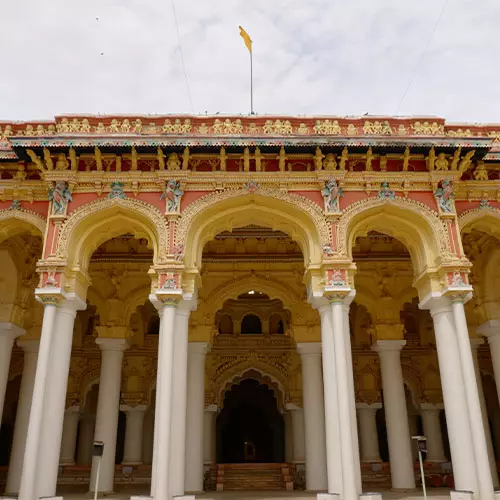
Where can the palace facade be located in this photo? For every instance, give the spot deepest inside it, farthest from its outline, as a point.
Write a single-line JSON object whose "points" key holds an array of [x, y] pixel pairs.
{"points": [[248, 302]]}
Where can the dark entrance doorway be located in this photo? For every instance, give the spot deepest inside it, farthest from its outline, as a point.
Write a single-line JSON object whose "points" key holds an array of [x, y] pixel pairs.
{"points": [[250, 427]]}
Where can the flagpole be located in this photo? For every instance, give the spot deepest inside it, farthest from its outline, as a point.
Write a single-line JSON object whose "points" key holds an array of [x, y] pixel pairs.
{"points": [[251, 83]]}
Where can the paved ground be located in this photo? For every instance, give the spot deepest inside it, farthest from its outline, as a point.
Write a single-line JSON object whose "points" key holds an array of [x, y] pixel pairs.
{"points": [[435, 494]]}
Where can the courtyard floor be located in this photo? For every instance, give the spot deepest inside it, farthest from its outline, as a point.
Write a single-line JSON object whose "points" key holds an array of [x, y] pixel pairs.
{"points": [[435, 494]]}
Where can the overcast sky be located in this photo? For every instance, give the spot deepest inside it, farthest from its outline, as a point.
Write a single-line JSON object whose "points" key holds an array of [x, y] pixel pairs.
{"points": [[337, 57]]}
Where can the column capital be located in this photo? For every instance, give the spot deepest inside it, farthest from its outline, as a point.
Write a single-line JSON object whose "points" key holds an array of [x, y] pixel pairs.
{"points": [[198, 348], [133, 409], [73, 303], [308, 348], [49, 295], [293, 407], [490, 329], [212, 409], [431, 407], [435, 303], [11, 330], [29, 345], [72, 409], [388, 345], [112, 344], [367, 406], [166, 298]]}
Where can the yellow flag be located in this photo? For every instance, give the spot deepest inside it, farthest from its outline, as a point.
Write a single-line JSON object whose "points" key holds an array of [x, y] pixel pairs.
{"points": [[246, 39]]}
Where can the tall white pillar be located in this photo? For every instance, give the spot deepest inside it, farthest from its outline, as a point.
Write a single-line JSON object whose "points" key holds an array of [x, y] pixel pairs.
{"points": [[455, 403], [166, 302], [134, 432], [70, 430], [396, 414], [209, 420], [85, 440], [432, 431], [178, 459], [298, 442], [483, 470], [368, 432], [352, 395], [55, 397], [314, 415], [30, 348], [491, 329], [334, 459], [195, 406], [8, 333], [475, 343], [108, 408], [147, 441], [29, 489]]}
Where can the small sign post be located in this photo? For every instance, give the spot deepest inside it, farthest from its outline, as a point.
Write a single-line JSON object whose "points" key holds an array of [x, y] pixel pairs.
{"points": [[422, 448], [97, 451]]}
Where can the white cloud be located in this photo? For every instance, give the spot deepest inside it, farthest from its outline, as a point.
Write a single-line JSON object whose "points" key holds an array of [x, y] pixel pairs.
{"points": [[310, 57]]}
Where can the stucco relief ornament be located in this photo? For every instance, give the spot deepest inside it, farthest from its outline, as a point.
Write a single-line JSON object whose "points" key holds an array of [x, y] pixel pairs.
{"points": [[385, 192], [331, 194], [173, 194], [457, 279], [484, 204], [117, 191], [170, 282], [337, 278], [251, 186], [444, 196], [60, 196], [15, 205]]}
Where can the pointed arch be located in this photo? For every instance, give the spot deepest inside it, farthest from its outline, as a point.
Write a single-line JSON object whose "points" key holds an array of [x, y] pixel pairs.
{"points": [[94, 223], [295, 215], [13, 222], [486, 220], [411, 222]]}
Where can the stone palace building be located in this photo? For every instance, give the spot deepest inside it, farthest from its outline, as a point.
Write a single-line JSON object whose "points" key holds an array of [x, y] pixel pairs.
{"points": [[248, 302]]}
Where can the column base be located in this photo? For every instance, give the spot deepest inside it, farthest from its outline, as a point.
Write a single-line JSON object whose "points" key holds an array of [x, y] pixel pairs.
{"points": [[461, 495], [370, 496], [327, 496]]}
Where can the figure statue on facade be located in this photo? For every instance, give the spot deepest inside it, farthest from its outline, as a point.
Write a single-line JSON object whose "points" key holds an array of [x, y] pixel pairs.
{"points": [[160, 155], [173, 194], [223, 159], [329, 163], [369, 159], [343, 158], [444, 196], [406, 159], [441, 162], [481, 174], [282, 159], [173, 162], [60, 196], [431, 159], [331, 194], [15, 205], [117, 191], [385, 192], [318, 159]]}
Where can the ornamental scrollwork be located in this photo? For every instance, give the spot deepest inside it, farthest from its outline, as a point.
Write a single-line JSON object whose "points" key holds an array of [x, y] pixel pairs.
{"points": [[140, 207], [438, 227], [201, 204]]}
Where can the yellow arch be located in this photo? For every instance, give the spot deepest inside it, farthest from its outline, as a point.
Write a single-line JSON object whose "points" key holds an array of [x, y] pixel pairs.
{"points": [[91, 225], [486, 220], [300, 218], [231, 289], [13, 222], [414, 224]]}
